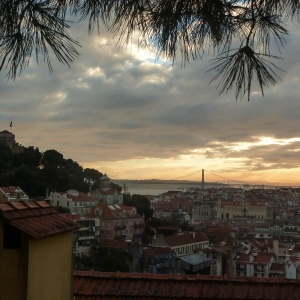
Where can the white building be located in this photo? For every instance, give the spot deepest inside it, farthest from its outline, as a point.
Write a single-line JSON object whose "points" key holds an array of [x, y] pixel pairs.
{"points": [[106, 194], [253, 264], [77, 202]]}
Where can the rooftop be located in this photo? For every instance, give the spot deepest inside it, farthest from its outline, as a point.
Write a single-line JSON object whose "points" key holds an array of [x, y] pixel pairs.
{"points": [[106, 286], [194, 259], [37, 219], [183, 239]]}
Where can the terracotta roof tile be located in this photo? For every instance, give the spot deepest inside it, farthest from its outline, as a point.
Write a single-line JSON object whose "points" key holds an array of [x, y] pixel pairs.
{"points": [[81, 197], [37, 219], [113, 211], [112, 243], [263, 257], [183, 239], [109, 286], [277, 267], [243, 257], [12, 190]]}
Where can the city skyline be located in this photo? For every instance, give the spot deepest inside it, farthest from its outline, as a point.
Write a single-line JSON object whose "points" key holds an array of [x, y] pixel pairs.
{"points": [[124, 113]]}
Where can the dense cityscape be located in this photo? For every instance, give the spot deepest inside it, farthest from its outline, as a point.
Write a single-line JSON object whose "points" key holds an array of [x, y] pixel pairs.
{"points": [[219, 232]]}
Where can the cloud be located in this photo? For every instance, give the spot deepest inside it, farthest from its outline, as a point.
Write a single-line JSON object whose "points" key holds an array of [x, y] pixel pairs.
{"points": [[117, 108]]}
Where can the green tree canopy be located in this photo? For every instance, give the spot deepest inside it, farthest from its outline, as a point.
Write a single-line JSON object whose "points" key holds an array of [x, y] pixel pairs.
{"points": [[53, 160], [92, 174], [239, 32], [141, 203], [114, 260]]}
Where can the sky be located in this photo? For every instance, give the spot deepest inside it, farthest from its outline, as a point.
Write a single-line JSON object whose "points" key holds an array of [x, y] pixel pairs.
{"points": [[125, 113]]}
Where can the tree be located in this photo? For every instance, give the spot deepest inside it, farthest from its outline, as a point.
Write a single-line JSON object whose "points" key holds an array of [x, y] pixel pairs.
{"points": [[141, 203], [239, 32], [6, 161], [53, 160], [115, 259], [92, 174]]}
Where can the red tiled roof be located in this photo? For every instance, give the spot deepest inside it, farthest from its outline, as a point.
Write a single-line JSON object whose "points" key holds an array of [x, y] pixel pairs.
{"points": [[72, 217], [263, 257], [220, 231], [277, 267], [243, 257], [113, 211], [116, 286], [12, 190], [155, 251], [81, 197], [37, 219], [112, 243], [184, 239]]}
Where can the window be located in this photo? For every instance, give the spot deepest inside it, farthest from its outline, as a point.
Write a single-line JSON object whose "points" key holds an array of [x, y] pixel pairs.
{"points": [[11, 237], [57, 203], [67, 203]]}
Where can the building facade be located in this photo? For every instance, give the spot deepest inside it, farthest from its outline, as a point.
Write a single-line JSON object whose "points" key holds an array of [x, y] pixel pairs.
{"points": [[77, 202], [35, 252], [106, 194], [118, 221], [227, 210]]}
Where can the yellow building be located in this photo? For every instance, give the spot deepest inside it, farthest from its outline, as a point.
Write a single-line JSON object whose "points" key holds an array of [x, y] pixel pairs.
{"points": [[226, 210], [35, 252]]}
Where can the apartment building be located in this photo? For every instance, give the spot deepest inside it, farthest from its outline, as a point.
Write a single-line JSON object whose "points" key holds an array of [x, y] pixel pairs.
{"points": [[202, 212], [118, 221], [77, 202], [253, 264], [228, 210]]}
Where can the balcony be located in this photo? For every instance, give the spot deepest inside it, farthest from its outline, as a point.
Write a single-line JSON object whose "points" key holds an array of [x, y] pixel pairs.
{"points": [[138, 226], [120, 227]]}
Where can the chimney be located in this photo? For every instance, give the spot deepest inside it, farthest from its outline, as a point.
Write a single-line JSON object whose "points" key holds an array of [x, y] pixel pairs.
{"points": [[194, 235]]}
